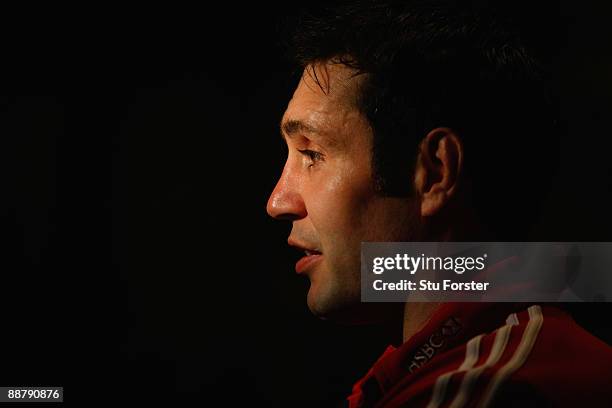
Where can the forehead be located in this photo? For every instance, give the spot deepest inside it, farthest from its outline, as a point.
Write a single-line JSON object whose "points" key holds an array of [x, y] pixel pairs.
{"points": [[324, 98], [335, 83]]}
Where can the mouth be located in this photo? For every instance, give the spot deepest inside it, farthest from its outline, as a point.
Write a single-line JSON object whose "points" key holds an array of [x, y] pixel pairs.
{"points": [[308, 261], [309, 252], [311, 257]]}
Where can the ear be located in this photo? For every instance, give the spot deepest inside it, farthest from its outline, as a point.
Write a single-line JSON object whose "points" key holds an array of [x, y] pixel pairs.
{"points": [[438, 168]]}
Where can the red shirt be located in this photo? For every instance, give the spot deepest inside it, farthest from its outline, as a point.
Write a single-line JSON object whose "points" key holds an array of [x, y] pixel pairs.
{"points": [[492, 354]]}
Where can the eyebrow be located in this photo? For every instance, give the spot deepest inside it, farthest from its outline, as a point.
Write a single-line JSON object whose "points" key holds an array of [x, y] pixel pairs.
{"points": [[291, 127]]}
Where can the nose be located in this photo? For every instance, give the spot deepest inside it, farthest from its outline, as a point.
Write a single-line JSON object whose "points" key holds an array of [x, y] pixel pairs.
{"points": [[286, 202]]}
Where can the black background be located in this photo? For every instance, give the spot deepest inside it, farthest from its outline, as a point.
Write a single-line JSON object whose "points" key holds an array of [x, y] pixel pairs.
{"points": [[138, 151]]}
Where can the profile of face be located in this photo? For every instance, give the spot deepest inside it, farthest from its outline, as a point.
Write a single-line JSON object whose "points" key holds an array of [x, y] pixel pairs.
{"points": [[327, 191]]}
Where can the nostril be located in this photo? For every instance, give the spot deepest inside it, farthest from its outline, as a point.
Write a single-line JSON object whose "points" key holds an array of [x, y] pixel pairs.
{"points": [[287, 217]]}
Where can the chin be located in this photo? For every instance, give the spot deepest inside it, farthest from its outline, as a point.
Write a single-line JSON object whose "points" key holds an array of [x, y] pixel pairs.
{"points": [[324, 302], [346, 308], [337, 306]]}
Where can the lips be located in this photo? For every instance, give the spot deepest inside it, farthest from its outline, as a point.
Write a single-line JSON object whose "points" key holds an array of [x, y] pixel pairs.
{"points": [[308, 262], [311, 257]]}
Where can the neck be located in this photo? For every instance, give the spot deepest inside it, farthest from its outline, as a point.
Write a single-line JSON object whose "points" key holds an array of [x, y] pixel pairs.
{"points": [[416, 316], [446, 228], [453, 225]]}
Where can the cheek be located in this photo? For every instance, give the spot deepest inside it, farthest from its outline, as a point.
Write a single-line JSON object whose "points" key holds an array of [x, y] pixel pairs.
{"points": [[393, 219], [339, 205]]}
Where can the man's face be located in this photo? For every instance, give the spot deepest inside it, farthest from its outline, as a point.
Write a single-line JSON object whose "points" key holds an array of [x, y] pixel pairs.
{"points": [[327, 190]]}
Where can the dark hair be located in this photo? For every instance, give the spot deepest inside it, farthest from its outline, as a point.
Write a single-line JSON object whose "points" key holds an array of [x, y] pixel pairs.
{"points": [[441, 63]]}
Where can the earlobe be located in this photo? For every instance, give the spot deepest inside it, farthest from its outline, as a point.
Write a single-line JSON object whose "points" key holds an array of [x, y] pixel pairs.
{"points": [[438, 169]]}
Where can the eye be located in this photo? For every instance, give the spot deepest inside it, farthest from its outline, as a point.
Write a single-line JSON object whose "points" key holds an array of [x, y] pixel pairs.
{"points": [[312, 155]]}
